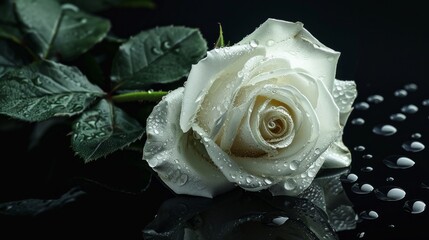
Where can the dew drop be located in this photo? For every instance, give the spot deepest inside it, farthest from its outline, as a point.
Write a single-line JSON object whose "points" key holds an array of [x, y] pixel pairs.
{"points": [[362, 106], [156, 51], [358, 121], [375, 99], [270, 43], [410, 109], [400, 93], [182, 179], [368, 215], [414, 206], [290, 184], [362, 189], [389, 193], [398, 117], [367, 156], [413, 146], [398, 162], [359, 148], [384, 130], [294, 165], [254, 43], [166, 45], [268, 181], [425, 102]]}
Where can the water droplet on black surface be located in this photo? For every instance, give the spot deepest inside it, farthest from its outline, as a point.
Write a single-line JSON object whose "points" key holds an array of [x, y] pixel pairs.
{"points": [[359, 148], [400, 93], [411, 87], [274, 219], [375, 98], [367, 156], [361, 106], [368, 215], [416, 135], [410, 109], [414, 206], [398, 162], [384, 130], [367, 169], [358, 121], [350, 178], [398, 117], [413, 146], [362, 188], [389, 193]]}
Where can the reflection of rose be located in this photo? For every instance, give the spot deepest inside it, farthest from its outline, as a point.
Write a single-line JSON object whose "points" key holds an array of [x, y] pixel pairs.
{"points": [[264, 113], [241, 215]]}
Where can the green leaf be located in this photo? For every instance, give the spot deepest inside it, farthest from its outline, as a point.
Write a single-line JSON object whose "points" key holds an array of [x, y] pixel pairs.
{"points": [[12, 55], [100, 5], [220, 42], [60, 31], [159, 55], [45, 89], [102, 130]]}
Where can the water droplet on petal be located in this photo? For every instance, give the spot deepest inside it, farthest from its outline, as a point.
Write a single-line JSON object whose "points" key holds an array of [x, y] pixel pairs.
{"points": [[414, 206], [270, 43], [254, 43], [389, 193], [290, 184], [294, 165], [71, 7], [156, 51]]}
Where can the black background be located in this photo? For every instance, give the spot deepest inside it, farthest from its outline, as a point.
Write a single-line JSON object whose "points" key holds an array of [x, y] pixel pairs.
{"points": [[383, 47]]}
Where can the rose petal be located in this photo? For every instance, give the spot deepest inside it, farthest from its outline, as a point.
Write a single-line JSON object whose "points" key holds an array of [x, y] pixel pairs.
{"points": [[213, 73], [297, 45], [344, 93], [179, 159], [337, 155]]}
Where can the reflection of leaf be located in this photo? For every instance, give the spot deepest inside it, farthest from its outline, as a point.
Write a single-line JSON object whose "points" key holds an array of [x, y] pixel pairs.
{"points": [[103, 130], [45, 89], [34, 207], [160, 55], [60, 30]]}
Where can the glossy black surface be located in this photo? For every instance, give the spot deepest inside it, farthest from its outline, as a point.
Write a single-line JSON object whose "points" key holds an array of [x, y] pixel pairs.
{"points": [[383, 48]]}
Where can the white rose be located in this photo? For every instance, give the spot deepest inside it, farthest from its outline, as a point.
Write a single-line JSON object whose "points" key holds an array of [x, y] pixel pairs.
{"points": [[265, 113]]}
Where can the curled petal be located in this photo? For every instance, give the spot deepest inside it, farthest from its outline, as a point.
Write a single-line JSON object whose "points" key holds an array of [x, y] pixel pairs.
{"points": [[337, 155], [179, 159], [209, 78], [295, 43]]}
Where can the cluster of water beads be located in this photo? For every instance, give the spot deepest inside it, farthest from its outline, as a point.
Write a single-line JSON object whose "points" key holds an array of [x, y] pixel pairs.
{"points": [[395, 161]]}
